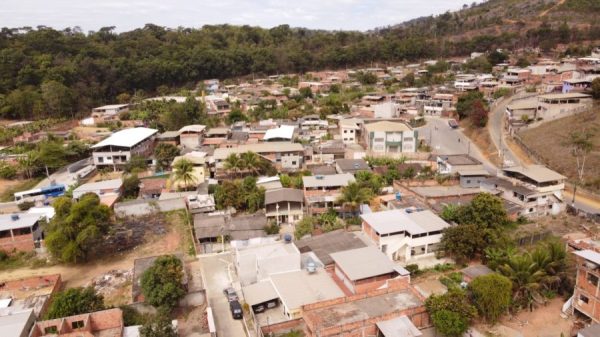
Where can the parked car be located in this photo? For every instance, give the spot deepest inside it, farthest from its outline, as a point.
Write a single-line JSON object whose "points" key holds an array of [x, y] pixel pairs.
{"points": [[453, 123], [236, 309], [231, 294]]}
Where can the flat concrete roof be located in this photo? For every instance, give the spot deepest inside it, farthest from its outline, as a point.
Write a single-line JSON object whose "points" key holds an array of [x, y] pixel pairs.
{"points": [[298, 288], [364, 309], [333, 180], [398, 327], [386, 126], [14, 325]]}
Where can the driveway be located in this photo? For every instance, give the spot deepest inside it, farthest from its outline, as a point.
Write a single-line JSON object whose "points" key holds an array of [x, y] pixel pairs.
{"points": [[216, 273], [446, 140]]}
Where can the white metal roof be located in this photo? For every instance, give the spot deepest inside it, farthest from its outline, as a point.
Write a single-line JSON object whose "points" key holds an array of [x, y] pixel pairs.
{"points": [[98, 185], [260, 292], [24, 220], [332, 180], [399, 327], [16, 324], [589, 255], [539, 173], [282, 132], [127, 137], [396, 220], [298, 288]]}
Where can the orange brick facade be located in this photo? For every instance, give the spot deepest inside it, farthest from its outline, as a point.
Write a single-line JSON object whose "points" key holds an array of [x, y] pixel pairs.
{"points": [[108, 322], [586, 298], [20, 243]]}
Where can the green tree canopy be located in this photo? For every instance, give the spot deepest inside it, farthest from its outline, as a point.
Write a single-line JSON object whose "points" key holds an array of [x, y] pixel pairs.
{"points": [[77, 227], [164, 153], [491, 295], [74, 301], [162, 282]]}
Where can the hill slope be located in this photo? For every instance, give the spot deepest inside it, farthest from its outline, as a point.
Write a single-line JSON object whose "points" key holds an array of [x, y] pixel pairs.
{"points": [[44, 72]]}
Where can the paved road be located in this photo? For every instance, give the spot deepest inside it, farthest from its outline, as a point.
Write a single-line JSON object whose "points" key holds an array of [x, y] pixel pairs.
{"points": [[446, 140], [496, 129], [216, 278]]}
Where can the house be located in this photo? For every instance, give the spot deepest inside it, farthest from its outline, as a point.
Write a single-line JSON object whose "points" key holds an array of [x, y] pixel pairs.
{"points": [[257, 263], [269, 183], [451, 164], [284, 205], [319, 248], [363, 269], [405, 235], [107, 190], [200, 169], [351, 166], [31, 293], [17, 324], [248, 226], [105, 323], [586, 296], [553, 106], [472, 178], [385, 138], [284, 155], [20, 232], [168, 137], [535, 188], [350, 130], [200, 203], [109, 110], [281, 134], [302, 287], [152, 188], [322, 192], [360, 315], [212, 228], [190, 136], [116, 150], [522, 110]]}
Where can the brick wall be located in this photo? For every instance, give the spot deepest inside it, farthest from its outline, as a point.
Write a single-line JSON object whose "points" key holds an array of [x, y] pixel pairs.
{"points": [[281, 327], [22, 243]]}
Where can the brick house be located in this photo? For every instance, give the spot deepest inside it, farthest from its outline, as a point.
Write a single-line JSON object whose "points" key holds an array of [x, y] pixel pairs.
{"points": [[20, 232], [106, 323], [586, 296], [363, 269]]}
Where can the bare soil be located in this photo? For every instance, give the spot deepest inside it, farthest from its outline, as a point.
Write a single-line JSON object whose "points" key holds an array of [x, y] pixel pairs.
{"points": [[547, 141], [545, 321], [481, 138]]}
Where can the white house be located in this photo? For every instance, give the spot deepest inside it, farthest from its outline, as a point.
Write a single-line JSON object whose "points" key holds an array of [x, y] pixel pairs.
{"points": [[390, 137], [350, 130], [118, 148], [404, 235]]}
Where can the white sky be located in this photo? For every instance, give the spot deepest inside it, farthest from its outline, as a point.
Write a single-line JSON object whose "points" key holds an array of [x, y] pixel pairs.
{"points": [[131, 14]]}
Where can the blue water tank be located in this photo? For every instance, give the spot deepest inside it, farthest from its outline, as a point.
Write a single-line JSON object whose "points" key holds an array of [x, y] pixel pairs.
{"points": [[287, 238], [398, 196]]}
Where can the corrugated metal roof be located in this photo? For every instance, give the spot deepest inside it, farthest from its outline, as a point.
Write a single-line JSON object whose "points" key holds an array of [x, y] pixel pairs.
{"points": [[127, 137]]}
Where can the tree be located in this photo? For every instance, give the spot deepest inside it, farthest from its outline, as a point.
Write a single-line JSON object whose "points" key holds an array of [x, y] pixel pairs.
{"points": [[369, 180], [162, 282], [233, 164], [486, 211], [450, 323], [463, 242], [353, 195], [77, 227], [160, 326], [57, 97], [251, 162], [164, 153], [596, 88], [465, 103], [581, 143], [526, 277], [184, 172], [479, 114], [136, 164], [305, 227], [74, 301], [491, 295], [131, 186]]}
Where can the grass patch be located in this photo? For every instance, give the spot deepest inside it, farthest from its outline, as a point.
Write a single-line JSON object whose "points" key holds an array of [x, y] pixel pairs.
{"points": [[16, 260], [182, 222], [8, 194]]}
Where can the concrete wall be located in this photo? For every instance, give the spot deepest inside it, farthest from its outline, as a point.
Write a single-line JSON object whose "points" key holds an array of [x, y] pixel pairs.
{"points": [[142, 207]]}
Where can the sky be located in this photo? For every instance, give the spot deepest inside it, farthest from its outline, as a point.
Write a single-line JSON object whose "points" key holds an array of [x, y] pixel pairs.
{"points": [[130, 14]]}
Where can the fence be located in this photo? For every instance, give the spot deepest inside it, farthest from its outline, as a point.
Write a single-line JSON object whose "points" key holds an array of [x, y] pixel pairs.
{"points": [[532, 238]]}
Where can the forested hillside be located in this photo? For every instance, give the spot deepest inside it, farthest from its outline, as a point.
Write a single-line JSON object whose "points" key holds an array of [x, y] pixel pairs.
{"points": [[45, 72]]}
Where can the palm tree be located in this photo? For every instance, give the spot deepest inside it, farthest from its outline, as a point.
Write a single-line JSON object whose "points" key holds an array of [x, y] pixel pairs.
{"points": [[233, 163], [526, 276], [251, 162], [551, 257], [354, 195], [184, 172]]}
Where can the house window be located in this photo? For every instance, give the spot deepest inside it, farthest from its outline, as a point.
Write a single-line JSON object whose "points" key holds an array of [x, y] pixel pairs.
{"points": [[293, 163], [592, 279], [101, 159], [468, 181], [51, 330], [584, 299], [77, 324], [531, 210], [345, 131]]}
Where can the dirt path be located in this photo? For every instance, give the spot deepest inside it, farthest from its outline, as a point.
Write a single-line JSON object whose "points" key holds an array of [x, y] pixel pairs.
{"points": [[544, 321], [559, 3]]}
